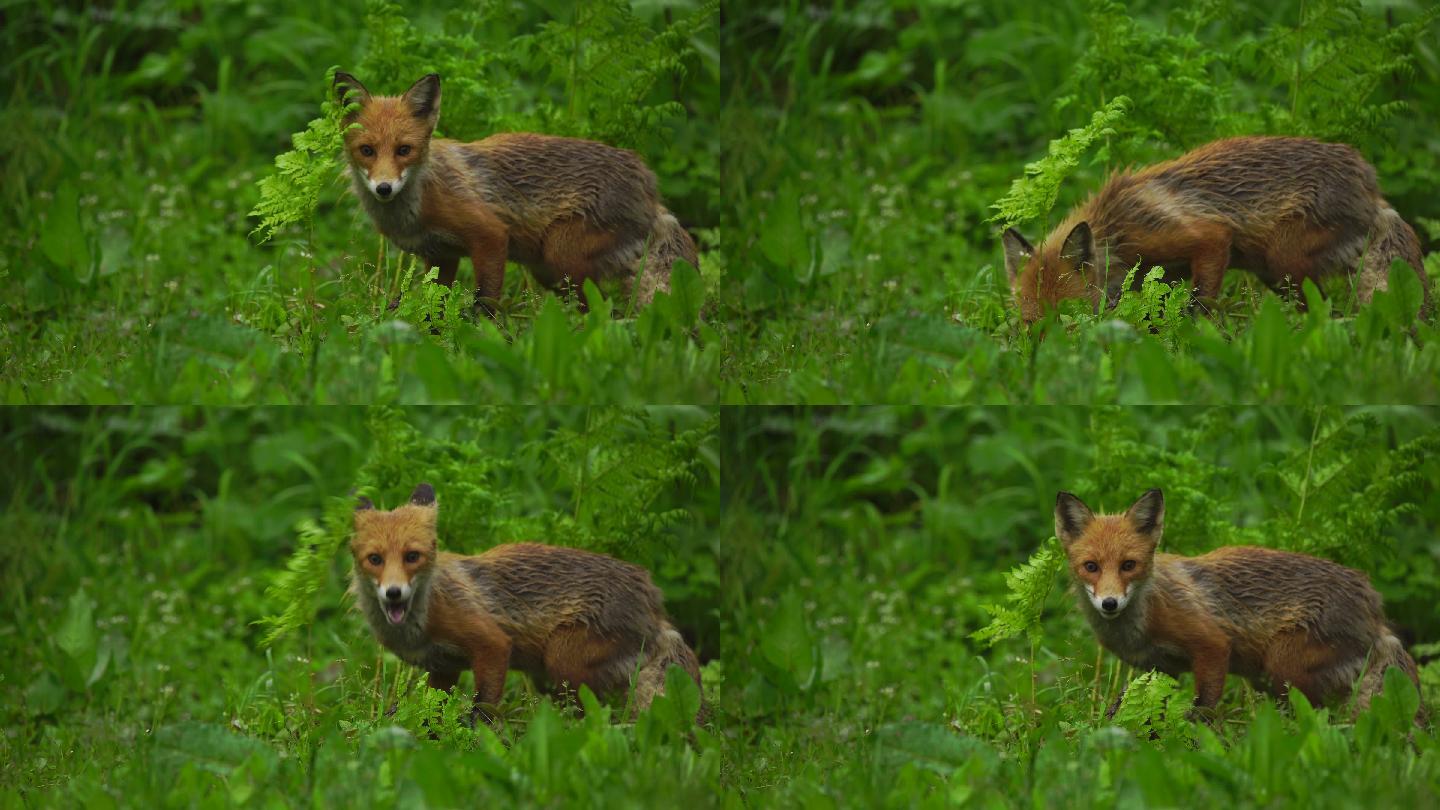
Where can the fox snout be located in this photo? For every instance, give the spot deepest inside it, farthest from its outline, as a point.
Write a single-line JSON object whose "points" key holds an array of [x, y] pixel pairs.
{"points": [[394, 599], [386, 188], [1109, 605]]}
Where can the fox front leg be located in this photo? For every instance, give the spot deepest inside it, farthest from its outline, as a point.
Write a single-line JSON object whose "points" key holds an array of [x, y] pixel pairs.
{"points": [[1208, 261], [1211, 664], [1115, 707], [444, 681], [490, 666], [488, 256]]}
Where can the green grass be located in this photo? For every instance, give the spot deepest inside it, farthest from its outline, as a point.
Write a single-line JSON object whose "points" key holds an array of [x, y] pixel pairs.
{"points": [[148, 543], [134, 142], [870, 144], [870, 544]]}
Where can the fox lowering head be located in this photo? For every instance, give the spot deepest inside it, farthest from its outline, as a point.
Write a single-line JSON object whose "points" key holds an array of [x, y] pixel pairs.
{"points": [[390, 145], [1040, 279], [1110, 555], [395, 550]]}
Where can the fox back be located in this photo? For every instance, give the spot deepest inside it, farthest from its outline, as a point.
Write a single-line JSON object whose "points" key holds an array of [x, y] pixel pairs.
{"points": [[1285, 209], [531, 589]]}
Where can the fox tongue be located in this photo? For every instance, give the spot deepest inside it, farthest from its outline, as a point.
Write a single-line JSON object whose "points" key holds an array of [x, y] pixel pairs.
{"points": [[396, 613]]}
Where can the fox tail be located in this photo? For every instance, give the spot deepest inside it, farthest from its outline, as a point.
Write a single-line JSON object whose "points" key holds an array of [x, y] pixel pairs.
{"points": [[668, 243], [667, 648], [1387, 652], [1393, 238]]}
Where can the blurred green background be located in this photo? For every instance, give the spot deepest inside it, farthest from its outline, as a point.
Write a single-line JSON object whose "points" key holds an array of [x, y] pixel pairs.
{"points": [[867, 545], [147, 544]]}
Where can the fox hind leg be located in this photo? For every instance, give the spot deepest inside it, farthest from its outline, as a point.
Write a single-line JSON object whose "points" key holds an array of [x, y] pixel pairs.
{"points": [[1295, 659], [573, 250], [576, 655]]}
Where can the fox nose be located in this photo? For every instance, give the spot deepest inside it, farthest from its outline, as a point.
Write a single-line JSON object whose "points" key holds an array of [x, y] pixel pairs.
{"points": [[1107, 604], [393, 593], [383, 189]]}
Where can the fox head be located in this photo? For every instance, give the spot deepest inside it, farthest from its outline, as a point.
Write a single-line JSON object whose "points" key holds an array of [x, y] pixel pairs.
{"points": [[1041, 279], [1110, 555], [395, 550], [392, 138]]}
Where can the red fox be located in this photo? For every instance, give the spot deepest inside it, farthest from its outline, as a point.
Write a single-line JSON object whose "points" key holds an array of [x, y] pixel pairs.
{"points": [[1277, 618], [568, 209], [562, 615], [1286, 209]]}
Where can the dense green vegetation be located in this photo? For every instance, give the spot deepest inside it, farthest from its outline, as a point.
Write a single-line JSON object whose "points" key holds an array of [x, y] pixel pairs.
{"points": [[146, 546], [137, 140], [872, 157], [869, 546]]}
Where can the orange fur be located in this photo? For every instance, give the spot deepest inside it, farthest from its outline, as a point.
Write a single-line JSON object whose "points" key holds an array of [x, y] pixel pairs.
{"points": [[1285, 209], [1278, 618], [565, 616], [568, 209]]}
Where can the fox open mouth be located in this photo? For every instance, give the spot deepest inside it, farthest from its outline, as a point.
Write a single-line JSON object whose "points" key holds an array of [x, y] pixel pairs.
{"points": [[395, 612]]}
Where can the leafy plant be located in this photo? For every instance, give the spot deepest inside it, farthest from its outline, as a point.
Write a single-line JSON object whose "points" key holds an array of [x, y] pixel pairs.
{"points": [[1028, 586], [1033, 195], [1156, 707]]}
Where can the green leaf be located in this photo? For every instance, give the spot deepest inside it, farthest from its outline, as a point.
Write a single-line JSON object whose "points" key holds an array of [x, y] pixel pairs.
{"points": [[786, 642], [77, 638], [933, 746], [1029, 585], [44, 695], [210, 747], [1033, 195], [783, 236], [62, 240], [675, 710]]}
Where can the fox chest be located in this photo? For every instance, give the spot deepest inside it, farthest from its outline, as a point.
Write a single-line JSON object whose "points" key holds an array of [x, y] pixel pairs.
{"points": [[399, 221], [1133, 644], [413, 645], [432, 245]]}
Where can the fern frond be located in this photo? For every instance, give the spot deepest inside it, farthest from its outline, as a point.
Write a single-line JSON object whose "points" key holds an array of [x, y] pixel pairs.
{"points": [[1029, 585]]}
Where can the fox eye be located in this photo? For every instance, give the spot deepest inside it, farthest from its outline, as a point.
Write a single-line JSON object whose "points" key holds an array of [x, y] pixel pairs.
{"points": [[367, 150], [403, 150], [1092, 566], [1128, 565], [412, 556], [375, 559]]}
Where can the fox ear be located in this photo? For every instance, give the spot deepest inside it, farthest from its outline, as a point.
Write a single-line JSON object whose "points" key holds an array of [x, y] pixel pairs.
{"points": [[1017, 252], [363, 504], [1079, 247], [424, 495], [1071, 517], [348, 89], [423, 98], [1148, 514]]}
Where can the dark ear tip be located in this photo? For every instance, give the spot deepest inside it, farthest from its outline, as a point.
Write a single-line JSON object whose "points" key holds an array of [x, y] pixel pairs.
{"points": [[363, 503], [424, 495]]}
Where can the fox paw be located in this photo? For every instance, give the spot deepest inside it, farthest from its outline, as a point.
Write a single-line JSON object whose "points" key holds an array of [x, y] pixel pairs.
{"points": [[479, 714]]}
